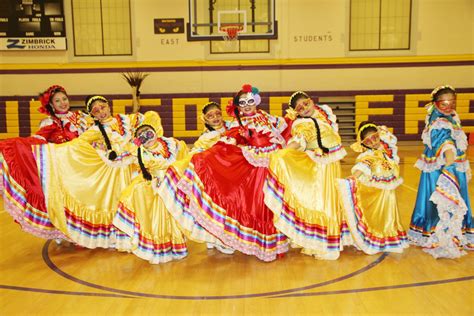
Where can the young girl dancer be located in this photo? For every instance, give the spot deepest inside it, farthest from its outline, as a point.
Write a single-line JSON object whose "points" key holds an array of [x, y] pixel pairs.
{"points": [[149, 230], [82, 180], [224, 184], [175, 199], [22, 193], [442, 219], [300, 188], [369, 198]]}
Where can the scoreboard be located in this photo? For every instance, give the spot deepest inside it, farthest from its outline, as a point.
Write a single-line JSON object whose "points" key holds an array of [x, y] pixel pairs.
{"points": [[32, 25]]}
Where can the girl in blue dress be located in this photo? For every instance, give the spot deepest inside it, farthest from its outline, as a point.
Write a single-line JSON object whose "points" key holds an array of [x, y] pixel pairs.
{"points": [[442, 219]]}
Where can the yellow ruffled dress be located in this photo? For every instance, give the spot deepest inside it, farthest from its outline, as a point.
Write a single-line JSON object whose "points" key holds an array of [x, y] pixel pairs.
{"points": [[370, 202], [82, 186], [301, 187], [150, 232]]}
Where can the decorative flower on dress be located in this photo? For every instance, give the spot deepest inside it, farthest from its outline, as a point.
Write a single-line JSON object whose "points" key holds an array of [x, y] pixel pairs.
{"points": [[45, 97]]}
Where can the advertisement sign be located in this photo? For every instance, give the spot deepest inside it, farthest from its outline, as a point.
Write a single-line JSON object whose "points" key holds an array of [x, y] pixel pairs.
{"points": [[32, 25]]}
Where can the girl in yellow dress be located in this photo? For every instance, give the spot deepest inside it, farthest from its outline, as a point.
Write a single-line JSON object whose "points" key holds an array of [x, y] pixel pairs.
{"points": [[82, 180], [150, 232], [369, 198], [301, 188], [171, 195]]}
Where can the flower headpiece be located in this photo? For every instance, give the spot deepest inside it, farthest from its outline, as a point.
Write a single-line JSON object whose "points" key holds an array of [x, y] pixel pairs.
{"points": [[430, 106], [357, 146], [92, 100], [45, 97], [246, 89], [253, 91]]}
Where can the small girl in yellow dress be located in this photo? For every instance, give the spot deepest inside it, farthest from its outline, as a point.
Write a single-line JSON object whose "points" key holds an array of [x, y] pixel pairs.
{"points": [[149, 231], [369, 198]]}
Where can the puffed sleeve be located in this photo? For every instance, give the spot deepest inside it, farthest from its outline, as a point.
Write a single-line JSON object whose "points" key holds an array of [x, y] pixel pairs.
{"points": [[303, 132], [206, 141]]}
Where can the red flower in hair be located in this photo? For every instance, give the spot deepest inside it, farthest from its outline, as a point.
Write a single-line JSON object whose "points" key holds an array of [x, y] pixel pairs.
{"points": [[247, 88], [45, 97], [230, 108]]}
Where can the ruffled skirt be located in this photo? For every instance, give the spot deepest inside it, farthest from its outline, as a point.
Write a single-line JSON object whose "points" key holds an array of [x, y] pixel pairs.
{"points": [[373, 217], [442, 194], [82, 192], [151, 233], [303, 196], [21, 188], [226, 197]]}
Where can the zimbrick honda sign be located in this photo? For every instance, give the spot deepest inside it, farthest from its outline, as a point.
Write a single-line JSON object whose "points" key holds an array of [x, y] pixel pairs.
{"points": [[32, 25]]}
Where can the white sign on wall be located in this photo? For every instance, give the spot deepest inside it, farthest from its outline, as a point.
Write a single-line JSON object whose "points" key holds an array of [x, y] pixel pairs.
{"points": [[33, 43]]}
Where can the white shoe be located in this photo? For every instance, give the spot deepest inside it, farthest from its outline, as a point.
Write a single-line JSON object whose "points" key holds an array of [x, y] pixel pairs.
{"points": [[209, 245], [224, 249]]}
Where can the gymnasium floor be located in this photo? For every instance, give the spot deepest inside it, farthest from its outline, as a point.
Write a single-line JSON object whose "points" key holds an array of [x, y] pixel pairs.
{"points": [[39, 277]]}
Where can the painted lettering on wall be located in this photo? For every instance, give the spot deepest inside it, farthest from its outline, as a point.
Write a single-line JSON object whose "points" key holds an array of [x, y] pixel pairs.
{"points": [[316, 38], [169, 41], [403, 113]]}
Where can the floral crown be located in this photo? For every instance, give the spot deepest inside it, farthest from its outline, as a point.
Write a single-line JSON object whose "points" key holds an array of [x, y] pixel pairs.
{"points": [[45, 97], [246, 88], [92, 100]]}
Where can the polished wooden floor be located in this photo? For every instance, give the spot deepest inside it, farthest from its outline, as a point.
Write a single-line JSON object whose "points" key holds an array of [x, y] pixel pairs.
{"points": [[38, 277]]}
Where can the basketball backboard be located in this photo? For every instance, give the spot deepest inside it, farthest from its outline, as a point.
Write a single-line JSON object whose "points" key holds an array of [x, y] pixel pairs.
{"points": [[209, 19]]}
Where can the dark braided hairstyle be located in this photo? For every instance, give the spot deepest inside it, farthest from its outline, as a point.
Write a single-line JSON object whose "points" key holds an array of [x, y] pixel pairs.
{"points": [[236, 108], [293, 100], [209, 106], [89, 102], [146, 175], [363, 131]]}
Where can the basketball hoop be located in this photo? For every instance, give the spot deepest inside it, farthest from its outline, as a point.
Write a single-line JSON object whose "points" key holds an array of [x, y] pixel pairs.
{"points": [[231, 31]]}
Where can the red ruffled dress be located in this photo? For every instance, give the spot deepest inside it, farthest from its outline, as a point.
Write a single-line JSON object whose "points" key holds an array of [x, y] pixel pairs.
{"points": [[224, 185], [21, 188]]}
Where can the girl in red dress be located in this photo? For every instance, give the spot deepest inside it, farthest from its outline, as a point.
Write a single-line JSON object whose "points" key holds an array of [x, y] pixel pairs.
{"points": [[21, 188], [224, 184]]}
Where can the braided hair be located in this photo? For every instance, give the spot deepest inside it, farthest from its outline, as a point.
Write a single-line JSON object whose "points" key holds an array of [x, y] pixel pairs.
{"points": [[292, 103], [236, 109], [112, 154], [146, 174]]}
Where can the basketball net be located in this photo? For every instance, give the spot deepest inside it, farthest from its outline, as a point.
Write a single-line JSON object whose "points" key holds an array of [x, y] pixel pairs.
{"points": [[231, 32]]}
